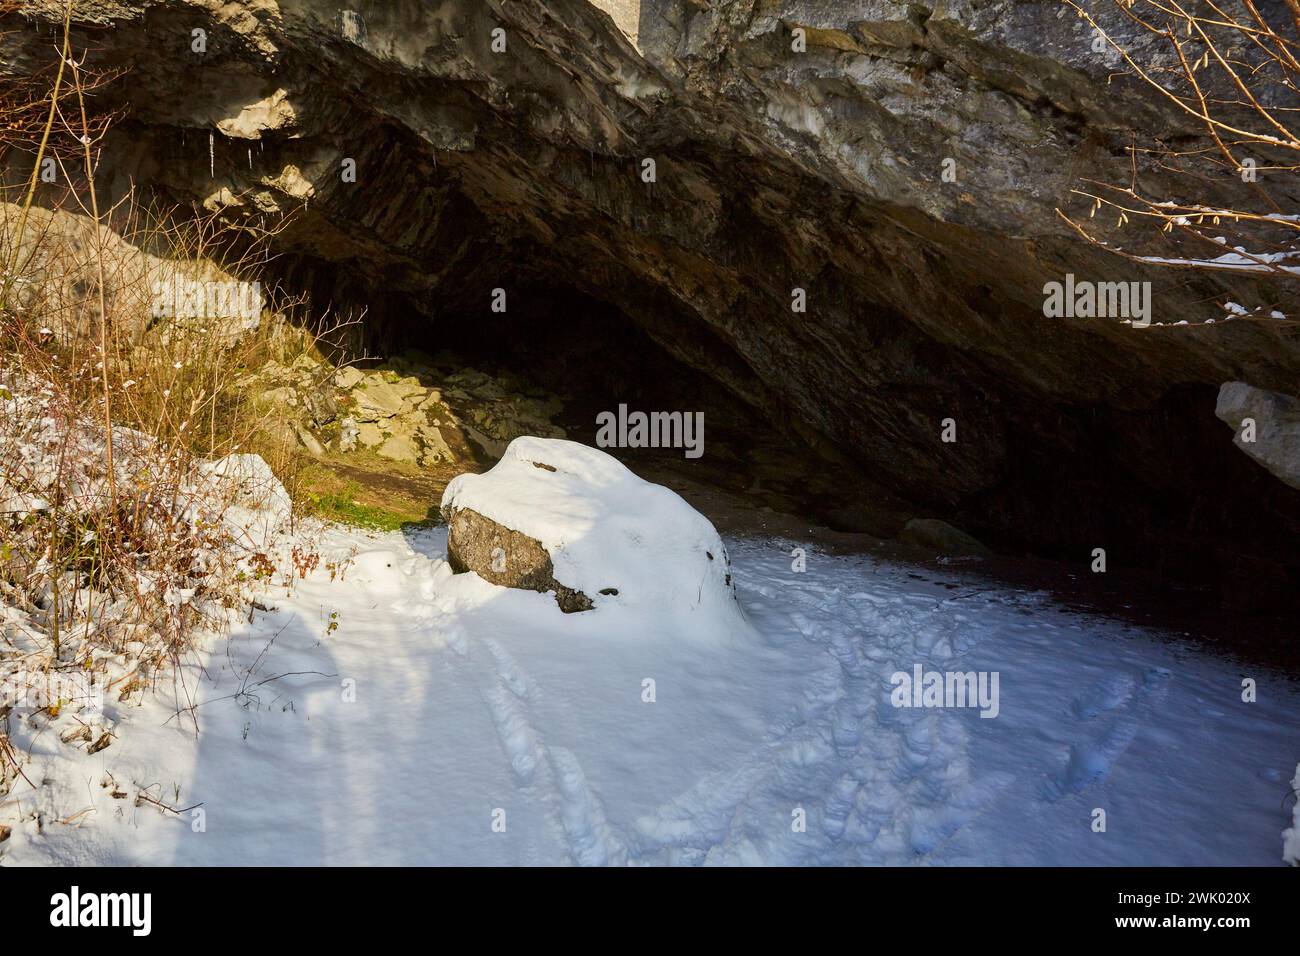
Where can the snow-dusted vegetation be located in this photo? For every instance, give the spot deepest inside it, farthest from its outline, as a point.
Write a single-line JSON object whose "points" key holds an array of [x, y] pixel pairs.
{"points": [[114, 566]]}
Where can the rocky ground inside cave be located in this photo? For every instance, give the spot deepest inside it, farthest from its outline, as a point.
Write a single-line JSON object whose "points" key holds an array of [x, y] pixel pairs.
{"points": [[394, 433]]}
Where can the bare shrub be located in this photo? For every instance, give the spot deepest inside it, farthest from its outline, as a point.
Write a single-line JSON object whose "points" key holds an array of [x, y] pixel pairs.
{"points": [[1231, 69], [137, 508]]}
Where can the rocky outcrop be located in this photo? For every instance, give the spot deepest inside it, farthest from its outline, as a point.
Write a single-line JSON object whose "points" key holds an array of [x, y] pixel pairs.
{"points": [[395, 415], [416, 410], [1266, 426], [433, 154], [61, 251]]}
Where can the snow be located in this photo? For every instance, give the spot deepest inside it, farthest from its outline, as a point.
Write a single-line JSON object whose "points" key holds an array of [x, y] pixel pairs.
{"points": [[386, 711], [1238, 261], [605, 528], [260, 507], [1291, 837]]}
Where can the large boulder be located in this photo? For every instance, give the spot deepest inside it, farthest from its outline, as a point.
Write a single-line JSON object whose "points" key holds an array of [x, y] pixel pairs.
{"points": [[1267, 426], [554, 515]]}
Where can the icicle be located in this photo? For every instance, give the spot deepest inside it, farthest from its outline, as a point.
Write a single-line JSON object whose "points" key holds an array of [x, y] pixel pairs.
{"points": [[212, 154], [250, 157]]}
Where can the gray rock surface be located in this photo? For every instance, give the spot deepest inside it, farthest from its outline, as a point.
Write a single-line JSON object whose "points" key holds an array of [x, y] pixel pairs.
{"points": [[1266, 426], [505, 557], [775, 170]]}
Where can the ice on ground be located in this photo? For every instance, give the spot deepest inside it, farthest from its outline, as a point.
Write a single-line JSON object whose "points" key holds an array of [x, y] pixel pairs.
{"points": [[607, 529], [386, 711]]}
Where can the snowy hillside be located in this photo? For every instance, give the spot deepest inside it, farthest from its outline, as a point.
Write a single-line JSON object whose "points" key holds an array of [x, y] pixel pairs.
{"points": [[406, 715]]}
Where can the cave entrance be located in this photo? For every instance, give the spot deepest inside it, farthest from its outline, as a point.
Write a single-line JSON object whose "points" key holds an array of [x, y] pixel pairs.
{"points": [[553, 358]]}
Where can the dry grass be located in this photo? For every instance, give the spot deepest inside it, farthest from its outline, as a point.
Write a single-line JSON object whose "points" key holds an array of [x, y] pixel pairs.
{"points": [[119, 543]]}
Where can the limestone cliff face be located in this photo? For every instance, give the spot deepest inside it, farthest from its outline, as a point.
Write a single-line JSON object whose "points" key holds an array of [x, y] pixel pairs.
{"points": [[479, 167]]}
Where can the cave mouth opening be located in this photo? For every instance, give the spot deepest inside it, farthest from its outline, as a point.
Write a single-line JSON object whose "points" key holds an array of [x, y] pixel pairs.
{"points": [[1038, 477], [550, 338]]}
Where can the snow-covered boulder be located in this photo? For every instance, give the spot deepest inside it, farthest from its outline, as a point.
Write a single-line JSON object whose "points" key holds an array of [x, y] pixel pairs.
{"points": [[554, 515]]}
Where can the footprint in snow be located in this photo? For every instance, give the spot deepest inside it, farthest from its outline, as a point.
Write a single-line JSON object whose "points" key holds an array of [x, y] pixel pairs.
{"points": [[1106, 694]]}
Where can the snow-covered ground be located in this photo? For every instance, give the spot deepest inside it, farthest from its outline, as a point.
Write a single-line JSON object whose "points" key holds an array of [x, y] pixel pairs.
{"points": [[447, 721]]}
